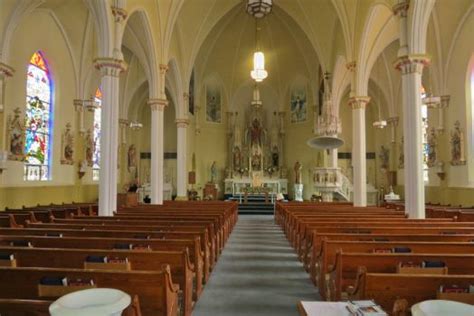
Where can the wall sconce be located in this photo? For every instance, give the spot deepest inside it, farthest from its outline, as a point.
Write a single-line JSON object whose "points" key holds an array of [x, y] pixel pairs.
{"points": [[439, 167], [3, 160], [135, 126]]}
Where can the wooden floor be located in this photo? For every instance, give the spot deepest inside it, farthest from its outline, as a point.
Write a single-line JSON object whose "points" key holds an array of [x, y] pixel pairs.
{"points": [[257, 274]]}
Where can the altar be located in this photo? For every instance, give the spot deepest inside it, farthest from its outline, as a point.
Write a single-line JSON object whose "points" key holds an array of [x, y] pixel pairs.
{"points": [[240, 186]]}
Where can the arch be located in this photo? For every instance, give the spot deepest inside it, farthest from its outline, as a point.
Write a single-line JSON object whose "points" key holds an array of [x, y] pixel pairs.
{"points": [[174, 84]]}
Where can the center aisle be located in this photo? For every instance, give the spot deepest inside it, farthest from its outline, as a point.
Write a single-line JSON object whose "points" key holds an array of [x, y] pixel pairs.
{"points": [[258, 273]]}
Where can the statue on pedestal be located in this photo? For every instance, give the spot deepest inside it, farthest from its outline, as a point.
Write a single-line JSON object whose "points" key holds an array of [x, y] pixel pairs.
{"points": [[67, 146], [457, 145], [432, 144], [213, 172], [297, 168]]}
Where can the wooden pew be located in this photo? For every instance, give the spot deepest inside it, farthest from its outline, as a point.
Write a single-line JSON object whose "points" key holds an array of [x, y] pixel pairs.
{"points": [[344, 271], [181, 268], [386, 288], [155, 290]]}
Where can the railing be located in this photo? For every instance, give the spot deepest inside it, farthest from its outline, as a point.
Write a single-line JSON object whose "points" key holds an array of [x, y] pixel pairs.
{"points": [[328, 181]]}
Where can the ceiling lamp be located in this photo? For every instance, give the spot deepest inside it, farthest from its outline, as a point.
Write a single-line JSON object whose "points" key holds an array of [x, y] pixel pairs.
{"points": [[258, 73], [259, 8], [135, 126], [380, 124]]}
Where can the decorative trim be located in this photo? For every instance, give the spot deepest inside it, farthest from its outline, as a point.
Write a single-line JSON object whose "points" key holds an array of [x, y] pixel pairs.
{"points": [[124, 122], [163, 69], [351, 66], [182, 123], [109, 66], [78, 105], [401, 8], [6, 70], [393, 120], [445, 101], [120, 14], [157, 104], [412, 63], [359, 102]]}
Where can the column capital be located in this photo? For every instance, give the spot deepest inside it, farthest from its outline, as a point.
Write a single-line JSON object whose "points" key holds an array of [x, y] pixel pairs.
{"points": [[401, 8], [393, 120], [157, 104], [351, 66], [124, 122], [78, 105], [163, 69], [119, 14], [445, 101], [109, 66], [6, 70], [359, 102], [412, 63], [182, 122]]}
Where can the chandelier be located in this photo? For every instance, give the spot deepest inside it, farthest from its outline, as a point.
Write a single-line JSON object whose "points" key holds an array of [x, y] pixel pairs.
{"points": [[258, 73], [259, 8]]}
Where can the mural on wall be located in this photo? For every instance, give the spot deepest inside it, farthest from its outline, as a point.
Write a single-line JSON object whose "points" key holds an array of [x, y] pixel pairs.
{"points": [[191, 94], [457, 145], [432, 147], [298, 105], [213, 104], [16, 136], [67, 146]]}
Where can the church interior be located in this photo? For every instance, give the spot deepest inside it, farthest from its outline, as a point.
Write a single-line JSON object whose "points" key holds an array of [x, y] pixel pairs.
{"points": [[237, 157]]}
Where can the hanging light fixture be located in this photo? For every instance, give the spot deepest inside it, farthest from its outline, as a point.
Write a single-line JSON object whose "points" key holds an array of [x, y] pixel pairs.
{"points": [[381, 124], [258, 73], [259, 8]]}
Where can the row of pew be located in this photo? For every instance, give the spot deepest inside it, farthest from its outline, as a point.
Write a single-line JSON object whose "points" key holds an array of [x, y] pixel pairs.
{"points": [[377, 253], [162, 256]]}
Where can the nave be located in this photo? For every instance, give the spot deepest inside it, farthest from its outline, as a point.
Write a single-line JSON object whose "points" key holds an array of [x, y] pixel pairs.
{"points": [[258, 274]]}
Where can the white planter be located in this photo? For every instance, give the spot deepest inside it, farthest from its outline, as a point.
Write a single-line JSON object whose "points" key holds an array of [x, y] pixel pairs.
{"points": [[100, 301]]}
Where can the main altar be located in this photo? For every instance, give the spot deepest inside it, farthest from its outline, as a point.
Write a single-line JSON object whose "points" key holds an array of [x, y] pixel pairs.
{"points": [[255, 152]]}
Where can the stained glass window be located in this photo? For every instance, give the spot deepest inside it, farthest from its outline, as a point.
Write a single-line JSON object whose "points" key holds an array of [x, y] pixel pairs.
{"points": [[38, 120], [97, 117], [424, 131]]}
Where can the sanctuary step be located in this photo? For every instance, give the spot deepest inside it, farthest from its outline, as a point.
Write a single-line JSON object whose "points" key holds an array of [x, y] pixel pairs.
{"points": [[255, 204]]}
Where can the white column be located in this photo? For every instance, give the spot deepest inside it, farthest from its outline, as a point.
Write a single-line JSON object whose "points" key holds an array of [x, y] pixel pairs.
{"points": [[333, 158], [358, 105], [411, 67], [5, 72], [110, 69], [182, 176], [157, 153]]}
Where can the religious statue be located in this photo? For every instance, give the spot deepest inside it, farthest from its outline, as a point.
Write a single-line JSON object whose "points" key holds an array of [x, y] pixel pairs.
{"points": [[67, 146], [89, 144], [213, 172], [132, 158], [297, 168], [384, 157], [256, 133], [237, 159], [256, 160], [457, 145], [401, 157], [432, 144], [275, 157], [16, 136]]}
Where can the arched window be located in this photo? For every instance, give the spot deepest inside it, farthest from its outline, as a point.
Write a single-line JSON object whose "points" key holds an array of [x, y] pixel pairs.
{"points": [[38, 120], [97, 128], [424, 131]]}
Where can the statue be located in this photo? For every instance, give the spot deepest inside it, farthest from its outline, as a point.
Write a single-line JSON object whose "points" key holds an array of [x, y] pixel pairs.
{"points": [[67, 146], [432, 144], [237, 160], [457, 145], [132, 158], [16, 136], [213, 172], [384, 157], [297, 168], [275, 157], [89, 143], [256, 160], [256, 133], [401, 157]]}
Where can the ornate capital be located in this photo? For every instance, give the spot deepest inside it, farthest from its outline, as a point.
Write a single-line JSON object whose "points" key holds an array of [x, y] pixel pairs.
{"points": [[351, 66], [157, 104], [412, 63], [119, 14], [124, 122], [163, 69], [182, 123], [445, 101], [393, 120], [401, 8], [78, 105], [359, 102], [110, 66], [6, 70]]}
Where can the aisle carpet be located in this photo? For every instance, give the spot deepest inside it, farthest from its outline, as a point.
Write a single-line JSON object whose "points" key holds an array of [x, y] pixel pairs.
{"points": [[258, 273]]}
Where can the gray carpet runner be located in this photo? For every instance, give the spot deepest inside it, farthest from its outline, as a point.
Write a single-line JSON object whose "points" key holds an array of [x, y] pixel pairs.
{"points": [[258, 273]]}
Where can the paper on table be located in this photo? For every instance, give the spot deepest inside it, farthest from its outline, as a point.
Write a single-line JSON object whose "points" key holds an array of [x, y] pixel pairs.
{"points": [[325, 308]]}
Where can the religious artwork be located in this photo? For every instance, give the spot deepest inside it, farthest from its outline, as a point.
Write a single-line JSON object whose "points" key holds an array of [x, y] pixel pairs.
{"points": [[298, 105], [256, 134], [237, 158], [132, 158], [213, 104], [96, 135], [67, 146], [298, 176], [457, 145], [401, 156], [432, 148], [89, 144], [256, 160], [191, 94], [384, 157], [213, 172], [15, 136]]}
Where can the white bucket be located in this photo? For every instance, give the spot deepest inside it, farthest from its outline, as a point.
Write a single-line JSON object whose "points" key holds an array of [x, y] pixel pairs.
{"points": [[91, 302]]}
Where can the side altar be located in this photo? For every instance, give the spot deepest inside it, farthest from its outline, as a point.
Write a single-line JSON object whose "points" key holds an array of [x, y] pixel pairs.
{"points": [[255, 151]]}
